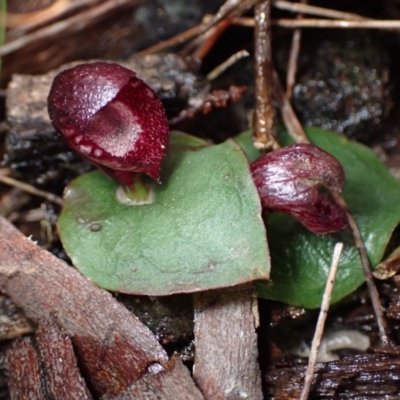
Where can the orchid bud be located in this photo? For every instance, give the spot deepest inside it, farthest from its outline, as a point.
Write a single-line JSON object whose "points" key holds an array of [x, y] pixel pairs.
{"points": [[288, 179], [112, 118]]}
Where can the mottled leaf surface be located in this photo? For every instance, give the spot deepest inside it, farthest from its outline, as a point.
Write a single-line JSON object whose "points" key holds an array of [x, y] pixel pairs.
{"points": [[203, 231]]}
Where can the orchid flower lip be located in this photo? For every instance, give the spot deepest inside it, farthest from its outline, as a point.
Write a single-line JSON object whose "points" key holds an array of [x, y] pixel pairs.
{"points": [[111, 117], [288, 181]]}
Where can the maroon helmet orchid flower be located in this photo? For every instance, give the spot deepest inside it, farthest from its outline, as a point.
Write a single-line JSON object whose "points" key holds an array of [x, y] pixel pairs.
{"points": [[112, 118], [288, 179]]}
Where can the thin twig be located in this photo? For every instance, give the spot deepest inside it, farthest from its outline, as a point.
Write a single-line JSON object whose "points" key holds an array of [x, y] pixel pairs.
{"points": [[175, 40], [20, 23], [75, 23], [30, 189], [292, 63], [229, 10], [249, 22], [319, 330], [293, 58], [373, 292], [263, 117], [324, 23], [207, 40], [318, 11], [289, 117], [219, 69]]}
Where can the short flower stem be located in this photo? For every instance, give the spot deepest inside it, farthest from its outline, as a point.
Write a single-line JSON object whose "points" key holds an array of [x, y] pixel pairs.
{"points": [[137, 191]]}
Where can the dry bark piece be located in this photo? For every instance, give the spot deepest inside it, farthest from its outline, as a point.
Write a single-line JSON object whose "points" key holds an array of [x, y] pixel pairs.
{"points": [[226, 361], [374, 376], [24, 372], [60, 366], [113, 346], [172, 383]]}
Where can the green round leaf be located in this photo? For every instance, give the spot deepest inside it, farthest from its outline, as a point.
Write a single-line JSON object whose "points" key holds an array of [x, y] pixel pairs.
{"points": [[301, 259], [203, 231]]}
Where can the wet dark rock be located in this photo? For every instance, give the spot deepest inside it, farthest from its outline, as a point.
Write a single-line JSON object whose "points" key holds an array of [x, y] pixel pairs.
{"points": [[343, 84]]}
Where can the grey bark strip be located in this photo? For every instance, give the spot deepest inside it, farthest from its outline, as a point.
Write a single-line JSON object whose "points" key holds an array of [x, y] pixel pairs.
{"points": [[226, 361]]}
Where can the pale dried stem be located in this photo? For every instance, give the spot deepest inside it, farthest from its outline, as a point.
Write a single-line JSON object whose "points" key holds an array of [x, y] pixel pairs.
{"points": [[373, 292], [293, 57], [318, 11], [73, 24], [173, 41], [202, 45], [292, 63], [324, 23], [319, 330], [289, 117], [248, 22], [263, 117], [221, 68], [30, 189], [229, 10], [23, 22]]}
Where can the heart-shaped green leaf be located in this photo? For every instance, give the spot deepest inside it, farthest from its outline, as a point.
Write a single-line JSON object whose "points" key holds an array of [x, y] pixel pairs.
{"points": [[301, 259], [203, 231]]}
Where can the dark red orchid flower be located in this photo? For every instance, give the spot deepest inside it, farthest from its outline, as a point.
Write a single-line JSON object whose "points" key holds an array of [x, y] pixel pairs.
{"points": [[288, 180], [112, 118]]}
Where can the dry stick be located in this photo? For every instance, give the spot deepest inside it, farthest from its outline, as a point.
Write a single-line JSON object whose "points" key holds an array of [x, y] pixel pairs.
{"points": [[319, 330], [373, 292], [289, 117], [296, 131], [74, 23], [23, 22], [31, 189], [230, 9], [263, 117], [292, 64], [173, 41], [318, 11], [219, 69], [249, 22], [207, 40], [324, 23], [293, 57]]}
